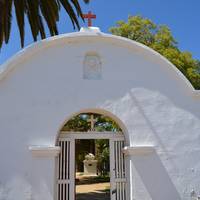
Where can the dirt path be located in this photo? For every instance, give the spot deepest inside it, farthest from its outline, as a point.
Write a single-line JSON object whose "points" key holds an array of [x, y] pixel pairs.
{"points": [[96, 187], [96, 191]]}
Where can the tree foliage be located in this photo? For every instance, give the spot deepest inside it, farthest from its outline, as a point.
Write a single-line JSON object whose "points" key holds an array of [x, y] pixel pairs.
{"points": [[80, 123], [102, 156], [37, 12], [160, 38]]}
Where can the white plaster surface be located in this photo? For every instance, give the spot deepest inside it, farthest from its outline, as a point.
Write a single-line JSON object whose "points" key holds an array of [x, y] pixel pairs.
{"points": [[45, 151], [43, 85]]}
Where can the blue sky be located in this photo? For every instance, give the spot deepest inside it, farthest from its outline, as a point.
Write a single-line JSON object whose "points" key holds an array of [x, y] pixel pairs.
{"points": [[182, 16]]}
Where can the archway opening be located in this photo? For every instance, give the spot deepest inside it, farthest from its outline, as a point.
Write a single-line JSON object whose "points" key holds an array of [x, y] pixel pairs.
{"points": [[91, 164], [89, 121]]}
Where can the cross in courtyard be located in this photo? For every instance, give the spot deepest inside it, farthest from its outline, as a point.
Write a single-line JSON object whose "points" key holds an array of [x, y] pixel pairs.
{"points": [[92, 121], [89, 16]]}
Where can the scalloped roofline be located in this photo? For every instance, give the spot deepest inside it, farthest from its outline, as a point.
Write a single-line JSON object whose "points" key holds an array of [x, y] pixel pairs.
{"points": [[91, 33]]}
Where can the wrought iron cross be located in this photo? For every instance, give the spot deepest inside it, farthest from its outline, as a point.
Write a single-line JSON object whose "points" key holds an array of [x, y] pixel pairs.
{"points": [[92, 121], [89, 16]]}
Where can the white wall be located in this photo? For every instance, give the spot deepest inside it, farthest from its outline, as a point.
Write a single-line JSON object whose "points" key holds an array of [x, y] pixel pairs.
{"points": [[143, 90]]}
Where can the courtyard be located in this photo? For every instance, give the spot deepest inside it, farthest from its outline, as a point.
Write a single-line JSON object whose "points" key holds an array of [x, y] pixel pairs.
{"points": [[90, 188]]}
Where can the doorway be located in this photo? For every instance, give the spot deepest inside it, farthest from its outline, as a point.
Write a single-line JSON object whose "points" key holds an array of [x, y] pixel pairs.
{"points": [[78, 177], [92, 164]]}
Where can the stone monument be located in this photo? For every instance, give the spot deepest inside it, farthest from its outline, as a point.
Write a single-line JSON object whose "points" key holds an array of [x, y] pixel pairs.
{"points": [[90, 165]]}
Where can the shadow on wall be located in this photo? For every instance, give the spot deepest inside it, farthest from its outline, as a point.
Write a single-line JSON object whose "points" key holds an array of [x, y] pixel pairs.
{"points": [[155, 177], [151, 170], [144, 112]]}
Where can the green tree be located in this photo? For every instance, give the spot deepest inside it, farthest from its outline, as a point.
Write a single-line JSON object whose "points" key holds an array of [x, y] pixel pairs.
{"points": [[36, 11], [102, 156], [160, 38], [80, 123]]}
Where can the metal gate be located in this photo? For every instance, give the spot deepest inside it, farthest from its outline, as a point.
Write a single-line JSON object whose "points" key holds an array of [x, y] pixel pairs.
{"points": [[65, 170], [118, 170], [66, 165]]}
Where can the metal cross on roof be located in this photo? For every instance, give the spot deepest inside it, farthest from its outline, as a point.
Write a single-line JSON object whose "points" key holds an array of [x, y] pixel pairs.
{"points": [[89, 16]]}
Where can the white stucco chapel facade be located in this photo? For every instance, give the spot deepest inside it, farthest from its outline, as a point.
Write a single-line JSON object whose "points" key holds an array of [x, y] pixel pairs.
{"points": [[156, 107]]}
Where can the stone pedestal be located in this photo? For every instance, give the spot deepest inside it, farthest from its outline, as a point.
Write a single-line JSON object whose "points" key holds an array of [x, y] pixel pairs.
{"points": [[90, 167]]}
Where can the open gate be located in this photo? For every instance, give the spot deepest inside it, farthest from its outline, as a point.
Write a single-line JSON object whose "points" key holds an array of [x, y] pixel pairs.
{"points": [[65, 170], [117, 169], [66, 165]]}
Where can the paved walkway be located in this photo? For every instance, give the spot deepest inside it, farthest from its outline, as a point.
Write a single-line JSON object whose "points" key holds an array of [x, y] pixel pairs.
{"points": [[96, 191]]}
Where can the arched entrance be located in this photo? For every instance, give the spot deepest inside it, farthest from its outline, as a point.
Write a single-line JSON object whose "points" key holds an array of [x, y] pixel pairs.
{"points": [[90, 126]]}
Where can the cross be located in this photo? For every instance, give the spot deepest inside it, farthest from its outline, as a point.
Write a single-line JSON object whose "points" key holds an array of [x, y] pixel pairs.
{"points": [[92, 121], [89, 16]]}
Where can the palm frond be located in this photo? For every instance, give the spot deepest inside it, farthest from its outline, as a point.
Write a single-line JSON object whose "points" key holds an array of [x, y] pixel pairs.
{"points": [[77, 6], [86, 1], [20, 9], [37, 12], [7, 20], [32, 13], [49, 13], [2, 5], [69, 9], [41, 27]]}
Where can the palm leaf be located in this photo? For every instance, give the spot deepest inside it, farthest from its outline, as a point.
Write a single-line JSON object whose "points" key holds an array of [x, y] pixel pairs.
{"points": [[49, 13], [86, 1], [32, 13], [2, 7], [38, 12], [20, 9], [41, 27], [7, 20], [77, 6], [68, 8]]}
